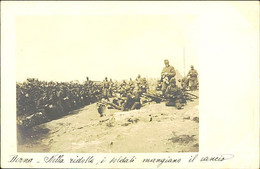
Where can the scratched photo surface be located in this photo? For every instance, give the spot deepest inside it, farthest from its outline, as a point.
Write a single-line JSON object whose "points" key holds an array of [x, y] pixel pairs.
{"points": [[107, 84]]}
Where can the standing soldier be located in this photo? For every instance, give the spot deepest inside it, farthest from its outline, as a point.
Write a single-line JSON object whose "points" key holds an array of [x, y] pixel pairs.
{"points": [[167, 74], [144, 85], [106, 88], [193, 78], [131, 85], [111, 87], [116, 87], [138, 79], [123, 88], [87, 82]]}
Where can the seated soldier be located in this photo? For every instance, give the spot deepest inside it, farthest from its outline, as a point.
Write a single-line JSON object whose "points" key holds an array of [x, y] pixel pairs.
{"points": [[174, 94], [158, 85], [184, 83], [132, 102], [101, 107]]}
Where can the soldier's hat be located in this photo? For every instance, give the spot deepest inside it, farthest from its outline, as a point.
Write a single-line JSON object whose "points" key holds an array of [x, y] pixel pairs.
{"points": [[192, 66]]}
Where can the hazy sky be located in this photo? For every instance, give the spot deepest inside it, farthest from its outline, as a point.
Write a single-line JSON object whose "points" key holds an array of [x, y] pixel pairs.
{"points": [[120, 46], [119, 40]]}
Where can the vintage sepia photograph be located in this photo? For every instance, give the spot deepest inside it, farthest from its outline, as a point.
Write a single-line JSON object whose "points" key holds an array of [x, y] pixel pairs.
{"points": [[107, 84], [131, 84]]}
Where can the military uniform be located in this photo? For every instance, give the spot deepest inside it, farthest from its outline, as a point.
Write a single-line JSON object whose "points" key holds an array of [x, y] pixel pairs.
{"points": [[138, 79], [184, 83], [131, 85], [52, 99], [123, 89], [132, 102], [175, 95], [106, 89], [193, 80], [168, 72], [111, 87]]}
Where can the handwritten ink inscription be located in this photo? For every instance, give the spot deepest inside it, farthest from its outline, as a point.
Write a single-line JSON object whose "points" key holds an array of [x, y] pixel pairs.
{"points": [[159, 162], [122, 159], [54, 159], [78, 159], [17, 159], [221, 157]]}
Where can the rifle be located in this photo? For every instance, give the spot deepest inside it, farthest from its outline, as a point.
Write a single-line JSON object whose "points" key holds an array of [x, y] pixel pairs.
{"points": [[192, 96], [155, 98]]}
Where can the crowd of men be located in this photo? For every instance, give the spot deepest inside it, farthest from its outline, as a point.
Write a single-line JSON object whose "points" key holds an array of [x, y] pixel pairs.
{"points": [[122, 89], [50, 100], [41, 101], [131, 95], [125, 95]]}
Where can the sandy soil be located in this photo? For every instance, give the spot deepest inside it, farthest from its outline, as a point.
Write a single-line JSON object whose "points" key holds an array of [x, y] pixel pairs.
{"points": [[153, 128]]}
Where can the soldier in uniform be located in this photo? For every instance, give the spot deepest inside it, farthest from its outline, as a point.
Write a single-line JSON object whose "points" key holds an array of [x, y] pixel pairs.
{"points": [[167, 74], [131, 84], [175, 95], [123, 89], [132, 102], [106, 88], [159, 85], [111, 87], [144, 85], [138, 79], [87, 82], [184, 83], [193, 78]]}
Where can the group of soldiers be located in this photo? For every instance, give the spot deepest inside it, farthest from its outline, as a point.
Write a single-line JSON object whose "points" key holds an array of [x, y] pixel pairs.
{"points": [[124, 95], [52, 99], [122, 89], [176, 95], [132, 95]]}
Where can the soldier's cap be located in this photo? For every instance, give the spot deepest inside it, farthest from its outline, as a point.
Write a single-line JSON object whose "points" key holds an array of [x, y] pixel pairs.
{"points": [[166, 60], [192, 66]]}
